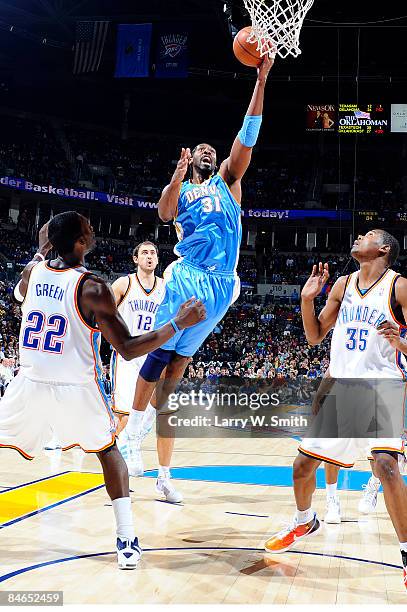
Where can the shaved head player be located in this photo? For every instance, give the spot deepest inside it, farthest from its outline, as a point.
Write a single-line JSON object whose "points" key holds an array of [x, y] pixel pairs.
{"points": [[65, 309], [368, 313]]}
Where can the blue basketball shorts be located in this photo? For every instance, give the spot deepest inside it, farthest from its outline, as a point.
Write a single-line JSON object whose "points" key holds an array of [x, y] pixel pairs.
{"points": [[217, 291]]}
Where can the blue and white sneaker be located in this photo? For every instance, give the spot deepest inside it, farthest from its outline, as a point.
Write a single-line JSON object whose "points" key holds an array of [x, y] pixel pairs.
{"points": [[122, 445], [128, 553], [130, 448]]}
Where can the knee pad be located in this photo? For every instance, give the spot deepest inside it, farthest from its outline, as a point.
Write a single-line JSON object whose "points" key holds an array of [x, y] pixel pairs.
{"points": [[154, 364]]}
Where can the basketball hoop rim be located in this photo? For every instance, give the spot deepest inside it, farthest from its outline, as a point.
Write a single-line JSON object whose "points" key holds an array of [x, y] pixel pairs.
{"points": [[278, 23]]}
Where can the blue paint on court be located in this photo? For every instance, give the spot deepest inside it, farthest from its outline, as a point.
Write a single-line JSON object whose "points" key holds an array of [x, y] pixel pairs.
{"points": [[265, 475]]}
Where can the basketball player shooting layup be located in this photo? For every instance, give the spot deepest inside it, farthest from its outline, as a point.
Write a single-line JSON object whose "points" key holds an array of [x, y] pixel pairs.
{"points": [[65, 309], [207, 216], [366, 346], [138, 297]]}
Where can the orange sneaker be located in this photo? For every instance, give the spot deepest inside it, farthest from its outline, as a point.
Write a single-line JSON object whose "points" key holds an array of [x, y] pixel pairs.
{"points": [[286, 538]]}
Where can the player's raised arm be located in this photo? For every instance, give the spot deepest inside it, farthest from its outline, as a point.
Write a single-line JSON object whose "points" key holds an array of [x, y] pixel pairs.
{"points": [[97, 299], [167, 205], [234, 167], [316, 328], [44, 246]]}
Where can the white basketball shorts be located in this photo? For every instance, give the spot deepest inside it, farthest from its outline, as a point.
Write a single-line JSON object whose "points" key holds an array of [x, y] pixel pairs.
{"points": [[124, 376], [79, 415], [361, 407], [343, 452]]}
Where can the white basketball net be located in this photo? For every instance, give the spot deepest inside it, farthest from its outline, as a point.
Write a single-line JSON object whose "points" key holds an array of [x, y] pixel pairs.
{"points": [[277, 23]]}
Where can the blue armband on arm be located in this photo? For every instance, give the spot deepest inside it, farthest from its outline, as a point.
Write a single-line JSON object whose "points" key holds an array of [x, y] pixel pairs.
{"points": [[175, 326], [250, 130]]}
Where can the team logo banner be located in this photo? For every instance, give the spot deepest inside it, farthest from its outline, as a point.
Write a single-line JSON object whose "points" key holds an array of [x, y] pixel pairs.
{"points": [[172, 52], [133, 50]]}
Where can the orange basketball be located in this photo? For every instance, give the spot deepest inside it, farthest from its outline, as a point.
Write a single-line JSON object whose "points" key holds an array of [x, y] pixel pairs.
{"points": [[246, 52]]}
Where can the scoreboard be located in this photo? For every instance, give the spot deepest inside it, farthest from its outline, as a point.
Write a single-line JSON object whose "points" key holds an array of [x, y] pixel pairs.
{"points": [[401, 217], [367, 215], [350, 118], [388, 217], [363, 119]]}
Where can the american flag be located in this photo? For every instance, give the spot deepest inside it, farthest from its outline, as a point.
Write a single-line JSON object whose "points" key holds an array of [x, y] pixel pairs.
{"points": [[361, 114], [89, 45]]}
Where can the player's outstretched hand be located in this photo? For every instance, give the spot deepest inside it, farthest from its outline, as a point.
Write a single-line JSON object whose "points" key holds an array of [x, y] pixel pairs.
{"points": [[182, 166], [44, 245], [391, 332], [316, 281], [267, 64], [190, 313]]}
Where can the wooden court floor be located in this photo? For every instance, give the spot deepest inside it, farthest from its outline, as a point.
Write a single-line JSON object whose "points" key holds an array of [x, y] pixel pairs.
{"points": [[58, 532]]}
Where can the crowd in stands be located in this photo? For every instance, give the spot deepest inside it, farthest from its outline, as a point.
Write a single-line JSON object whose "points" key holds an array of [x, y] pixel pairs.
{"points": [[31, 150], [257, 339], [277, 180], [9, 329], [113, 257], [69, 155], [127, 167], [260, 338], [294, 268], [379, 181]]}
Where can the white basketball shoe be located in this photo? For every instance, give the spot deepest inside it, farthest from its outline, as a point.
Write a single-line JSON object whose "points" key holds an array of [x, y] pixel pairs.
{"points": [[128, 553], [368, 503], [165, 487], [53, 443], [130, 448], [333, 511]]}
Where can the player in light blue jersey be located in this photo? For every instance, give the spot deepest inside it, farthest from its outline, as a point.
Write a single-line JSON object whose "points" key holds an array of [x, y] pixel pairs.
{"points": [[205, 208]]}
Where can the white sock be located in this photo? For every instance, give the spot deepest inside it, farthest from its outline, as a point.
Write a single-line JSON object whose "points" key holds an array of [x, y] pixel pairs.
{"points": [[133, 426], [304, 516], [403, 546], [149, 418], [375, 481], [164, 471], [331, 490], [124, 518]]}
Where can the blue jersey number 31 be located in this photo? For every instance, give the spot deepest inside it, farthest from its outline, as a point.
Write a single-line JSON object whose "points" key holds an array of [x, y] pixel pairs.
{"points": [[210, 204]]}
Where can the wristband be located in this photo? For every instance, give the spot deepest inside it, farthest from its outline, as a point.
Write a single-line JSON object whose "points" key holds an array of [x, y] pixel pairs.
{"points": [[175, 326], [40, 255], [250, 130]]}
